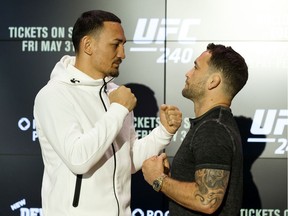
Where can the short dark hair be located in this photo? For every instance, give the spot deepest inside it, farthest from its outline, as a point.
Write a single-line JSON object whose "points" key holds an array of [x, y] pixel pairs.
{"points": [[231, 64], [88, 22]]}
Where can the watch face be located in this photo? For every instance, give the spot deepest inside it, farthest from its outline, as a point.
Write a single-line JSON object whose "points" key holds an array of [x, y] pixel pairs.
{"points": [[156, 185]]}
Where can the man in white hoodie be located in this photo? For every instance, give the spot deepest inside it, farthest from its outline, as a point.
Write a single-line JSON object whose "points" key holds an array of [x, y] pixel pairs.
{"points": [[85, 126]]}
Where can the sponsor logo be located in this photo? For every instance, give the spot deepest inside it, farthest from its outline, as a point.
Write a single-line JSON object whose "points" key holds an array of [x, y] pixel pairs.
{"points": [[24, 124], [25, 211], [141, 212]]}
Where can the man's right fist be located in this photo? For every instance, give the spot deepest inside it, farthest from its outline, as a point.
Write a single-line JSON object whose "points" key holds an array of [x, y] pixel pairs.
{"points": [[123, 96]]}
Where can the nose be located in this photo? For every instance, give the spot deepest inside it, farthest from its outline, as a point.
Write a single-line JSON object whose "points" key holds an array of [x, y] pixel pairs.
{"points": [[187, 73], [121, 52]]}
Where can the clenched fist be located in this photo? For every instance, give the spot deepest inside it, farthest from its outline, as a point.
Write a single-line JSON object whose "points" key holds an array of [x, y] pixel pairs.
{"points": [[123, 96], [170, 117], [154, 167]]}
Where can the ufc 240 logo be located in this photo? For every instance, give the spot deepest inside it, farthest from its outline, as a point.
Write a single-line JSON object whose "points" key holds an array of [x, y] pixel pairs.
{"points": [[150, 32], [271, 122]]}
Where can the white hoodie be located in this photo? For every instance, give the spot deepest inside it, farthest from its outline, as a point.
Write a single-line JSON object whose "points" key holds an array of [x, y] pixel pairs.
{"points": [[76, 136]]}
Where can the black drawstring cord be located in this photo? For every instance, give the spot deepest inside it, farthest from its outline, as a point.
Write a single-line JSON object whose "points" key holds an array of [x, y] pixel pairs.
{"points": [[100, 93], [77, 190], [105, 90]]}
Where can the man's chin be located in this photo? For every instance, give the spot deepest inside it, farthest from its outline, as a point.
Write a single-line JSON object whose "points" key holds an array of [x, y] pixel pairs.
{"points": [[185, 93], [114, 73]]}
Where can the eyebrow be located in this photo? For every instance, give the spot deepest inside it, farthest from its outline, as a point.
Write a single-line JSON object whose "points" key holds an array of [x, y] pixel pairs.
{"points": [[119, 40]]}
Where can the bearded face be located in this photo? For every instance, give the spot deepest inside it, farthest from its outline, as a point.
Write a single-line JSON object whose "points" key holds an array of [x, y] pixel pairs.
{"points": [[194, 89]]}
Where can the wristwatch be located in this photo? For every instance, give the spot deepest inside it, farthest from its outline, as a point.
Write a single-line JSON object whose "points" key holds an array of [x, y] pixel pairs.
{"points": [[157, 183]]}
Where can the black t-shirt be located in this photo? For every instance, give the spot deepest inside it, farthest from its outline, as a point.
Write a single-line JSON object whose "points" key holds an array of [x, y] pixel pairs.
{"points": [[213, 142]]}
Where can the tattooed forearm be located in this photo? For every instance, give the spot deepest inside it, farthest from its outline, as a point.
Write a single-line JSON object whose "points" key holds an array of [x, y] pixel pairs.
{"points": [[212, 185]]}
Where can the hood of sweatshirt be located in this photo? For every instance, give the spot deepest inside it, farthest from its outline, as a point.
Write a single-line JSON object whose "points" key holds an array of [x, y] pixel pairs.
{"points": [[64, 71]]}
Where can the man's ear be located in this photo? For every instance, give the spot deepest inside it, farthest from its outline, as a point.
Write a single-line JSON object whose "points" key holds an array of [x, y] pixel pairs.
{"points": [[87, 44], [214, 81]]}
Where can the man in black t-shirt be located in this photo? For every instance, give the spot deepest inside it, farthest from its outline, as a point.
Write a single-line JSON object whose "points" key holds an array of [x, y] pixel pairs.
{"points": [[207, 171]]}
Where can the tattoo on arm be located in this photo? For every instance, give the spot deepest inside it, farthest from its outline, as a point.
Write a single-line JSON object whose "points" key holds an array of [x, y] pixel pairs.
{"points": [[212, 186]]}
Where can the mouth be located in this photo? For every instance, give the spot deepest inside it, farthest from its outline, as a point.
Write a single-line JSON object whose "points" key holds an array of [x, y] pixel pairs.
{"points": [[118, 62]]}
